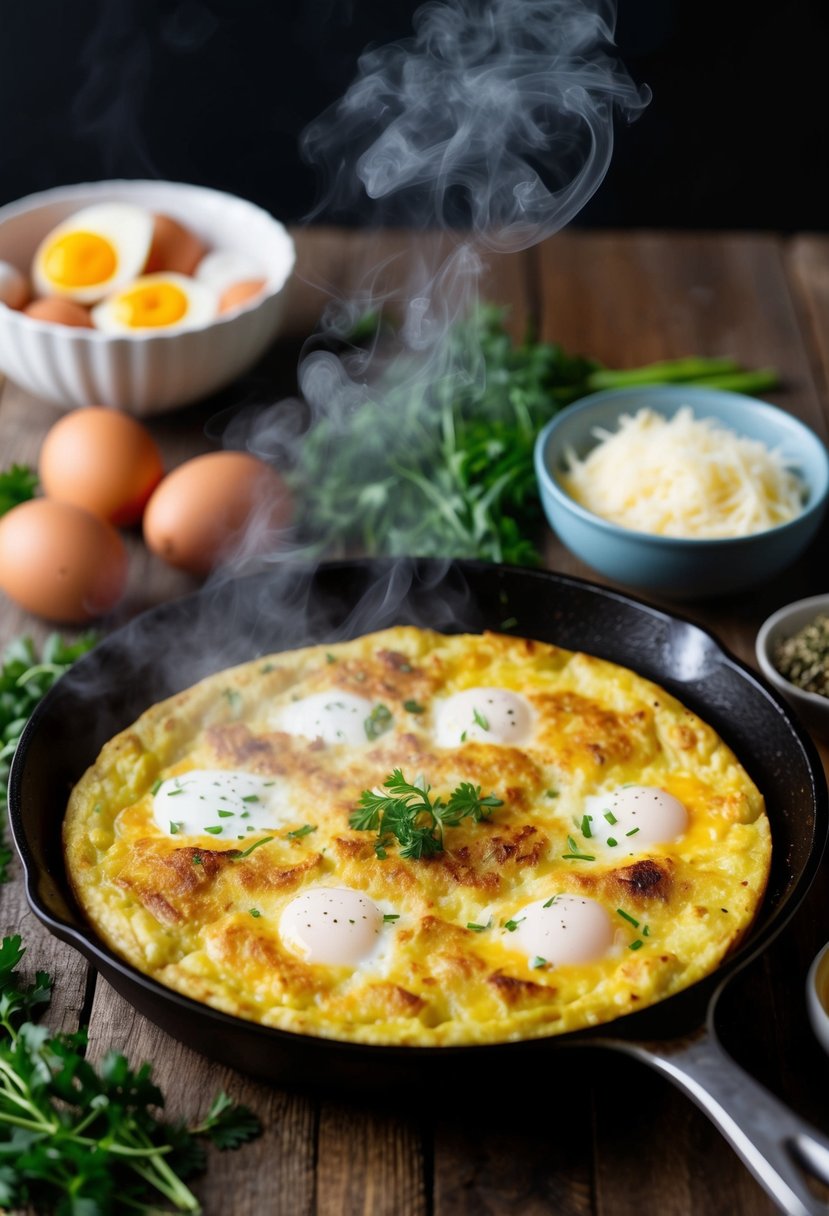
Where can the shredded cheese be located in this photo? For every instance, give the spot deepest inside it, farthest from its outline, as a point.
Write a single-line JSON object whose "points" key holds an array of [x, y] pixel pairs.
{"points": [[685, 477]]}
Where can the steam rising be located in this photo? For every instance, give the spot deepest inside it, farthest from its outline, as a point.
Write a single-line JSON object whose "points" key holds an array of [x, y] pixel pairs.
{"points": [[496, 117]]}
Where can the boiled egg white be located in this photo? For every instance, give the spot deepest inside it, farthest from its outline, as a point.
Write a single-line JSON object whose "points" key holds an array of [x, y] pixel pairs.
{"points": [[334, 925], [221, 268], [222, 803], [333, 716], [485, 715], [563, 929], [636, 816], [164, 301], [94, 252]]}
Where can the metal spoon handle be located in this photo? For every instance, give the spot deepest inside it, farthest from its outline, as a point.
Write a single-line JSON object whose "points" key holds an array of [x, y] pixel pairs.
{"points": [[780, 1149]]}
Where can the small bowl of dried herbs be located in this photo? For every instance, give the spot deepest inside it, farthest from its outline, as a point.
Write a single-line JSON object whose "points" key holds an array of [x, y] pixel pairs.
{"points": [[793, 653]]}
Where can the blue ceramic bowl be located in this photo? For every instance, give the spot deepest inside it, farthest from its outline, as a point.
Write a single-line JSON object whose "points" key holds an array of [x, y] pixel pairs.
{"points": [[670, 566]]}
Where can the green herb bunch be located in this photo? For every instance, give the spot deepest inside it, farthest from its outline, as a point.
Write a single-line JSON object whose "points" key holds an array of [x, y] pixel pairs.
{"points": [[79, 1140], [441, 464], [24, 679], [408, 815]]}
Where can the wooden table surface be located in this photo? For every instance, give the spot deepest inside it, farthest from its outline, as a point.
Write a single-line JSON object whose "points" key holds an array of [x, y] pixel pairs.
{"points": [[611, 1138]]}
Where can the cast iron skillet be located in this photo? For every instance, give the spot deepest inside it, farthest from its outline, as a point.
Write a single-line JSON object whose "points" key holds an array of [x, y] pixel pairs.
{"points": [[170, 647]]}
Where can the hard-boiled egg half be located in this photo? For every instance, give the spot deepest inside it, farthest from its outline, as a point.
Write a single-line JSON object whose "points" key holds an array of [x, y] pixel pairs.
{"points": [[93, 253], [165, 301]]}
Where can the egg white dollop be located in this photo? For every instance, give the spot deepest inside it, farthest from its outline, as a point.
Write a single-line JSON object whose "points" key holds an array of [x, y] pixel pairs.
{"points": [[333, 716], [484, 715], [334, 925], [636, 816], [563, 929], [222, 803]]}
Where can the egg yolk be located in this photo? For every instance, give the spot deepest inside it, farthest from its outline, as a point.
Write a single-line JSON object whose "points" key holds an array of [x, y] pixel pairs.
{"points": [[152, 305], [80, 259]]}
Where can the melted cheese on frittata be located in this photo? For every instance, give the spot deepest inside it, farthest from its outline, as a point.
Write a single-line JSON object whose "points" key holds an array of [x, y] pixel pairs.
{"points": [[628, 852]]}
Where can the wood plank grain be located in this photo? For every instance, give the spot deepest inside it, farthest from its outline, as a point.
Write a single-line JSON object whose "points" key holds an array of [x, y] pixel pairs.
{"points": [[370, 1162], [274, 1174], [807, 263]]}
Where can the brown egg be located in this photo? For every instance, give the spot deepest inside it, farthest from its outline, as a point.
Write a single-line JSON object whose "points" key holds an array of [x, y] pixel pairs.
{"points": [[14, 286], [60, 562], [238, 294], [103, 461], [59, 312], [215, 505], [174, 247]]}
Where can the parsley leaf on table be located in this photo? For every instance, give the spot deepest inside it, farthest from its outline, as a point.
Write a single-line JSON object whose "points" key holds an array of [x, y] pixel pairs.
{"points": [[76, 1140], [17, 485], [24, 679]]}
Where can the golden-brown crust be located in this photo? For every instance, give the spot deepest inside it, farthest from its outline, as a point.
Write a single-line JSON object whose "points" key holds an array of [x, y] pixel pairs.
{"points": [[203, 915]]}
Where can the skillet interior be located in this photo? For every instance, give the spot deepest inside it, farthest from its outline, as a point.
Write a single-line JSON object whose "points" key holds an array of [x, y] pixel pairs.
{"points": [[172, 646]]}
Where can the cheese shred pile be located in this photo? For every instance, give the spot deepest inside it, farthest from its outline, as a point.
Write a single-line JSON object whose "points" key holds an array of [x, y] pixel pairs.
{"points": [[685, 477]]}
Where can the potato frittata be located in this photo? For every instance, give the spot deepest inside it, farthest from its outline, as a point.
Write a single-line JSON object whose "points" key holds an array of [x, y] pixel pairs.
{"points": [[412, 838]]}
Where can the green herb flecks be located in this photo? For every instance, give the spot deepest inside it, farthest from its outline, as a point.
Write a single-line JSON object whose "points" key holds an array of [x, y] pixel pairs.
{"points": [[480, 720], [415, 820], [412, 707], [390, 917], [247, 852], [537, 963], [305, 830], [378, 722]]}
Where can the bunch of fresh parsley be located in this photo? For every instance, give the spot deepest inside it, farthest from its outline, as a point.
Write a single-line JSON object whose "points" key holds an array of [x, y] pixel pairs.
{"points": [[24, 679], [408, 815], [76, 1140], [440, 462]]}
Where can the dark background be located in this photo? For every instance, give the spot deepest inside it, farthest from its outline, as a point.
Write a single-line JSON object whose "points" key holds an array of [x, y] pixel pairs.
{"points": [[217, 92]]}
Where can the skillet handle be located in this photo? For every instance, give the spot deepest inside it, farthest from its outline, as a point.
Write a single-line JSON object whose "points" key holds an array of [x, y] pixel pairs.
{"points": [[780, 1149]]}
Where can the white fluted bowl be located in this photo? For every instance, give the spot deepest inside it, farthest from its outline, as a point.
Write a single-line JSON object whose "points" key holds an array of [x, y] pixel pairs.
{"points": [[143, 373]]}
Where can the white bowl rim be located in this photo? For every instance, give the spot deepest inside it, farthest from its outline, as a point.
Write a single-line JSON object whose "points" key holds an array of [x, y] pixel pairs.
{"points": [[41, 198], [812, 603], [818, 1013], [689, 543]]}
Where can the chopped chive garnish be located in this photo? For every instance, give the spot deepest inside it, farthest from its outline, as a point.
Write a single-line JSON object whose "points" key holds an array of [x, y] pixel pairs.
{"points": [[380, 852], [175, 828], [510, 622], [247, 852], [254, 912], [480, 719], [585, 826], [156, 786], [627, 916], [632, 832], [197, 861], [330, 658], [305, 830], [378, 721], [215, 831], [251, 798], [97, 808], [266, 668], [637, 945], [463, 737], [390, 917], [612, 841], [571, 844], [244, 814], [610, 817], [512, 925], [577, 857], [551, 793], [225, 814], [476, 928], [173, 793], [412, 707], [234, 700], [550, 901], [646, 931], [538, 962]]}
